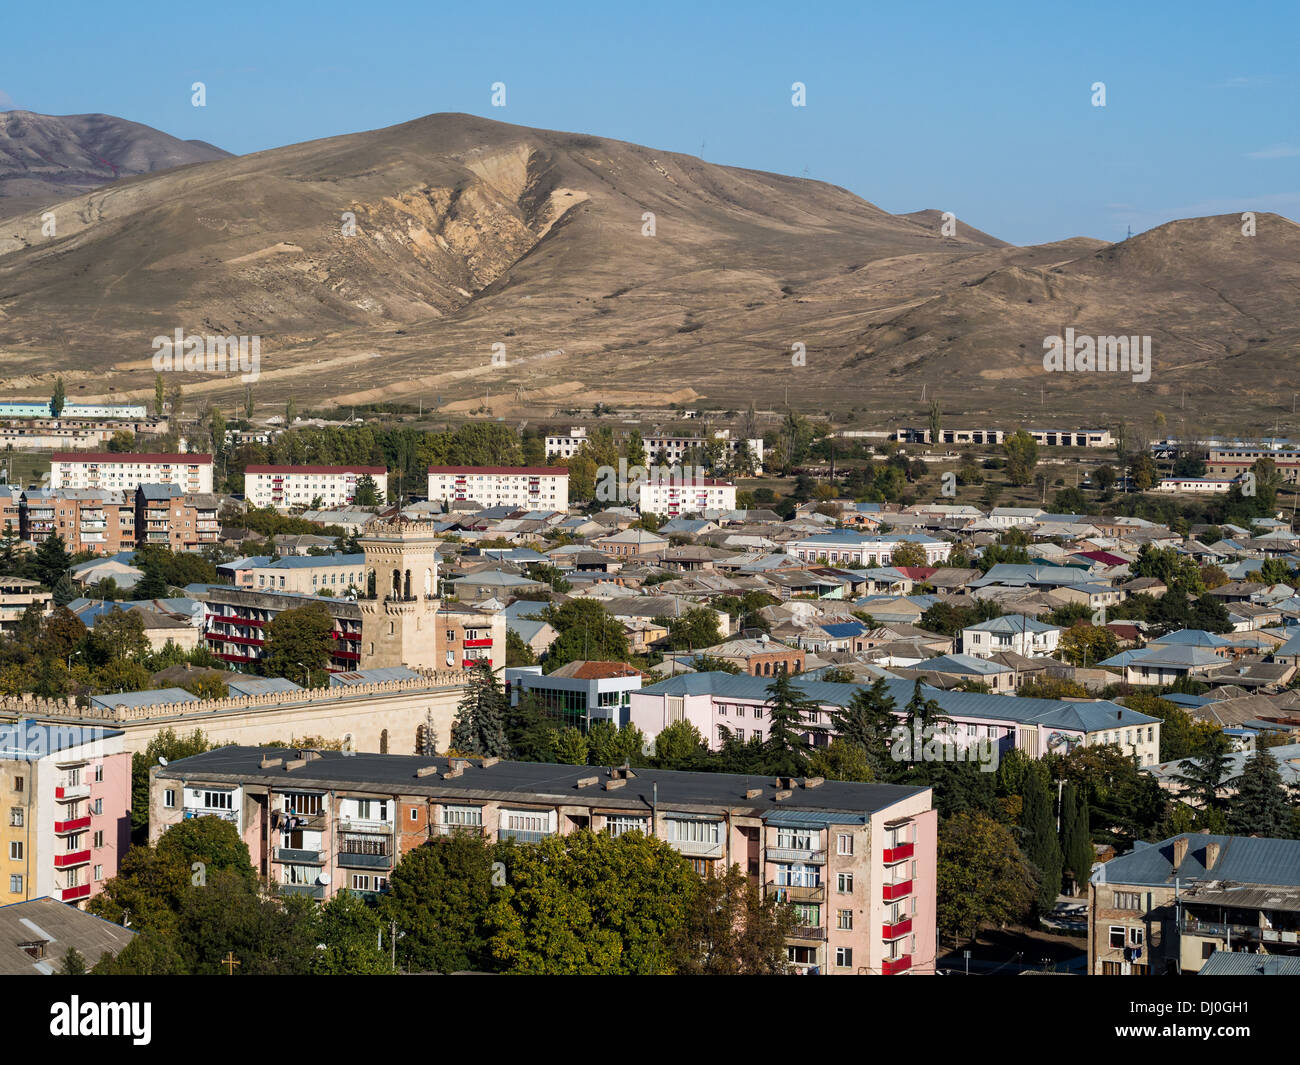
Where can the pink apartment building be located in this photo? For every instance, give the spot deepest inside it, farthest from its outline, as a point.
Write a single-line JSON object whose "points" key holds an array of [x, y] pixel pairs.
{"points": [[67, 821], [857, 861]]}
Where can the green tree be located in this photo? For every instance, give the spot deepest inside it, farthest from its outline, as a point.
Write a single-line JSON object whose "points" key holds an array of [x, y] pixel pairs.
{"points": [[983, 879], [907, 554], [367, 493], [1022, 456], [591, 904], [159, 395], [480, 726], [73, 963], [1076, 836], [841, 760], [348, 929], [60, 398], [730, 929], [299, 644], [607, 744], [570, 747], [867, 723], [1086, 645], [518, 653], [586, 631], [1041, 844], [438, 897], [680, 746], [1205, 773], [787, 711], [213, 843], [529, 730], [51, 560], [1260, 806], [697, 628]]}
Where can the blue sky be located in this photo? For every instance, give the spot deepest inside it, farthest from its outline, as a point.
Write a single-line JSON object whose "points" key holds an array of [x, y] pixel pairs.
{"points": [[980, 109]]}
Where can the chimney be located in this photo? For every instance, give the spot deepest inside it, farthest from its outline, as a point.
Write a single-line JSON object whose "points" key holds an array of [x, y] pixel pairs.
{"points": [[1211, 855], [1180, 851]]}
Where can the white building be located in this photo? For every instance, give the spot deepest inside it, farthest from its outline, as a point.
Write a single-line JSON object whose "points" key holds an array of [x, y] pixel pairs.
{"points": [[678, 449], [566, 446], [676, 497], [844, 547], [288, 486], [124, 472], [1012, 632], [528, 487]]}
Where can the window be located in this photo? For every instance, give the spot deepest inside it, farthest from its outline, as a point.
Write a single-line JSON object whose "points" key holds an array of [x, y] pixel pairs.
{"points": [[616, 826], [16, 885], [16, 817], [1136, 937], [218, 800], [99, 872], [97, 840], [1128, 900], [372, 809], [360, 882], [18, 783], [468, 816], [97, 807], [844, 843], [801, 955], [844, 883], [1117, 936], [800, 838], [169, 798], [99, 773], [844, 957], [528, 822], [16, 852], [844, 920], [689, 831], [415, 814]]}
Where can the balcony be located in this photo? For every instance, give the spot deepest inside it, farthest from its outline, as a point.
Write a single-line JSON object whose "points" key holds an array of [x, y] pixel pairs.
{"points": [[522, 835], [900, 853], [71, 858], [77, 824], [225, 815], [808, 933], [361, 824], [896, 929], [894, 966], [289, 854], [796, 893], [72, 791], [897, 889], [72, 894], [312, 891], [458, 830], [697, 848], [796, 854], [365, 861]]}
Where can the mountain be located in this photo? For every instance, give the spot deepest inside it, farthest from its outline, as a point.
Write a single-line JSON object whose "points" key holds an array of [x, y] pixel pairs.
{"points": [[47, 158], [388, 264]]}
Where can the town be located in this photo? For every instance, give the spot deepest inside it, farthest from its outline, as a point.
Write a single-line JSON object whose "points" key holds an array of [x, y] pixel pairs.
{"points": [[896, 700]]}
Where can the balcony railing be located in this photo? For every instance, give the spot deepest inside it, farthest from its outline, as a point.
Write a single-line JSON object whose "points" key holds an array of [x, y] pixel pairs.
{"points": [[896, 929], [72, 791], [77, 824], [290, 854], [456, 830], [72, 894], [796, 854], [805, 931], [897, 889], [893, 966], [365, 861], [312, 891], [901, 852], [1194, 926], [522, 835], [359, 824], [70, 858], [796, 893], [697, 848]]}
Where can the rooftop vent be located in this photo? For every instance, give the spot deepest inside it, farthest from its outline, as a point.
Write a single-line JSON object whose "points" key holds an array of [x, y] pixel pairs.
{"points": [[753, 793], [612, 785], [270, 763], [783, 794], [426, 771], [588, 782]]}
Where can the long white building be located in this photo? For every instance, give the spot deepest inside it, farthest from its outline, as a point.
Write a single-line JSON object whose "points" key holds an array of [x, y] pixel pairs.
{"points": [[529, 487], [288, 486], [677, 497], [126, 472], [675, 449]]}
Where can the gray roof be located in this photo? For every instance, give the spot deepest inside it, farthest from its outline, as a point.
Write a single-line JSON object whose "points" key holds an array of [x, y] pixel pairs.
{"points": [[27, 741], [261, 685], [534, 781], [379, 675], [58, 927], [1243, 859], [1235, 963], [153, 697]]}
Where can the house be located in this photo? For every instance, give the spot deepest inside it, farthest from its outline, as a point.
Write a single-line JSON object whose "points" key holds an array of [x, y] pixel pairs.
{"points": [[36, 935], [762, 657], [1168, 907], [578, 693], [631, 543], [957, 669], [1011, 632]]}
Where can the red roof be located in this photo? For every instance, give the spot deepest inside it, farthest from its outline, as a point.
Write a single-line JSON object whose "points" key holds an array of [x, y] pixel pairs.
{"points": [[317, 469], [917, 573], [126, 457], [1104, 557], [555, 470]]}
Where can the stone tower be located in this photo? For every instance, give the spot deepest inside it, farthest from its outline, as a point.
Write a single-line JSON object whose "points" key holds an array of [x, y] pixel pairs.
{"points": [[400, 603]]}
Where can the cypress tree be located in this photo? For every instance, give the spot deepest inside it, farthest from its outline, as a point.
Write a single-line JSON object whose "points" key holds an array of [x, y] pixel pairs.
{"points": [[1076, 836], [867, 722], [1040, 844], [1260, 806]]}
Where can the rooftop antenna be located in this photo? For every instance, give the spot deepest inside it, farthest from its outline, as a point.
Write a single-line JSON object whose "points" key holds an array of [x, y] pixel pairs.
{"points": [[1130, 233]]}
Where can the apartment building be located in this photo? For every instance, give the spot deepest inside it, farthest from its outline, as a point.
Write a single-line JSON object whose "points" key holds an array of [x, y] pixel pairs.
{"points": [[738, 702], [337, 573], [1233, 461], [526, 487], [166, 516], [236, 620], [662, 448], [1012, 632], [580, 692], [17, 596], [1058, 437], [88, 519], [846, 546], [283, 487], [857, 861], [41, 409], [126, 472], [1168, 907], [673, 497], [67, 822]]}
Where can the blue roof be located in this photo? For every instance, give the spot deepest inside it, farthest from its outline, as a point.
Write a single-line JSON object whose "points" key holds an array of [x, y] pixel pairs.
{"points": [[1244, 859], [1194, 638], [846, 629], [372, 676], [309, 561], [261, 685]]}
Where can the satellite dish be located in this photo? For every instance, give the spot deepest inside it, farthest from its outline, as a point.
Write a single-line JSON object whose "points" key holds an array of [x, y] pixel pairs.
{"points": [[162, 760], [324, 878]]}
